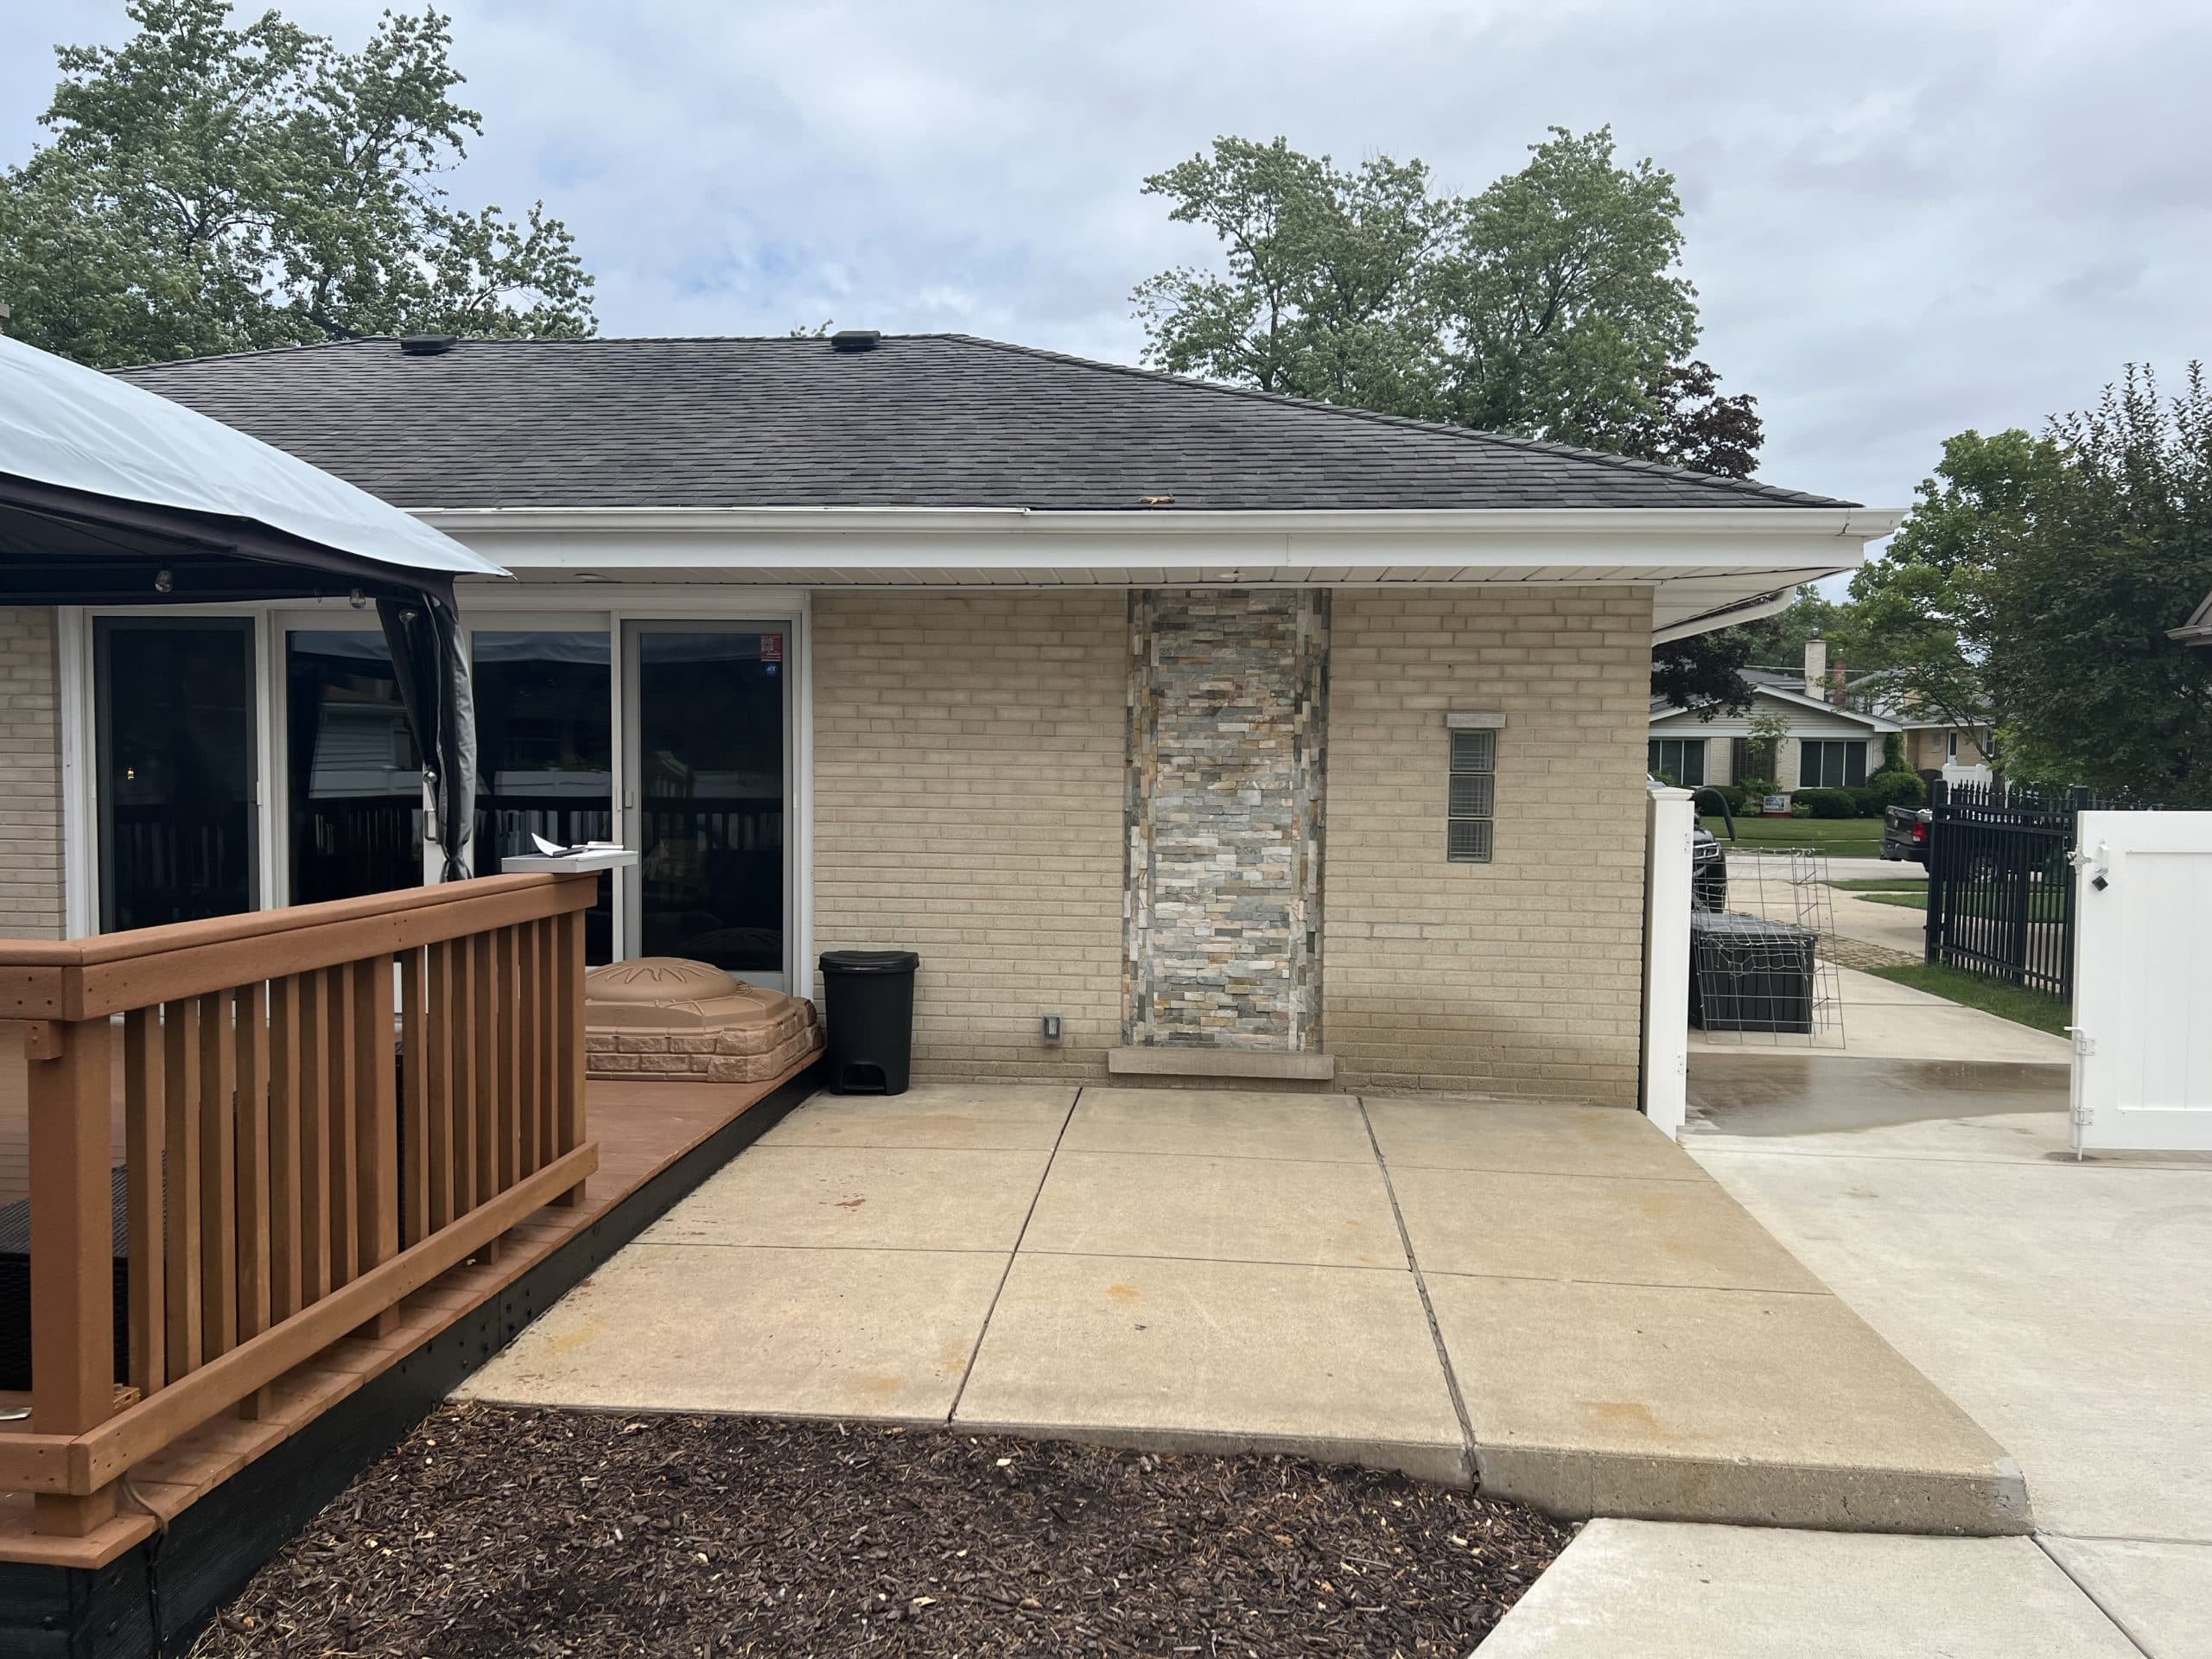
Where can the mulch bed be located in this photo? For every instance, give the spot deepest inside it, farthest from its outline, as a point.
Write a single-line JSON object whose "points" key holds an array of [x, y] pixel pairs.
{"points": [[513, 1532]]}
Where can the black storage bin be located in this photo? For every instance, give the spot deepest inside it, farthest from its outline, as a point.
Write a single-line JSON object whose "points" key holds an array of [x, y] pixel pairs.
{"points": [[1747, 974], [15, 1286], [868, 1003]]}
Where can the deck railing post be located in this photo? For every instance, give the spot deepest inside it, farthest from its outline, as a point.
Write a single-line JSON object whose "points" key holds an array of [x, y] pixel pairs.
{"points": [[72, 1262], [569, 1021], [376, 1121]]}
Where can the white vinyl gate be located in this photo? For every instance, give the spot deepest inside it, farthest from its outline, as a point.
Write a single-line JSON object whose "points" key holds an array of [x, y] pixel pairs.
{"points": [[2143, 981]]}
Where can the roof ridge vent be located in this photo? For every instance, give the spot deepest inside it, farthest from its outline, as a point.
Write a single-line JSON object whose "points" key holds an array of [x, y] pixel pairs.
{"points": [[428, 345], [855, 339]]}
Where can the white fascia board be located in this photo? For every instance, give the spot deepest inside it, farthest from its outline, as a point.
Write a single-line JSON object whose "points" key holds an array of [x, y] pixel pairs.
{"points": [[1643, 546]]}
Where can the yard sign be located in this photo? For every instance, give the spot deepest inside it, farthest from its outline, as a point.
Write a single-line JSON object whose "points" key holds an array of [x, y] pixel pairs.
{"points": [[2143, 981]]}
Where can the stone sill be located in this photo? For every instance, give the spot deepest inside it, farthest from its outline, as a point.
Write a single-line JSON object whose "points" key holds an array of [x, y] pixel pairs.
{"points": [[1269, 1064]]}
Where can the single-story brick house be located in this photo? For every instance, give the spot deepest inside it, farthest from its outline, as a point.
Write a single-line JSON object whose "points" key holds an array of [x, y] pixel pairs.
{"points": [[1274, 735], [1828, 743]]}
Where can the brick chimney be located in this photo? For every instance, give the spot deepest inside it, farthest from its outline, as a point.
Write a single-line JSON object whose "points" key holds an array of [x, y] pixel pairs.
{"points": [[1816, 669]]}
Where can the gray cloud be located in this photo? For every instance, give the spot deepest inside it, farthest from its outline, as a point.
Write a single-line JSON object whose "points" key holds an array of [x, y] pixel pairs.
{"points": [[1904, 219]]}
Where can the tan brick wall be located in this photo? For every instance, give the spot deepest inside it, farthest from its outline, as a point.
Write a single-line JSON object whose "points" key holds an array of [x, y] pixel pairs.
{"points": [[1520, 977], [30, 777], [968, 789]]}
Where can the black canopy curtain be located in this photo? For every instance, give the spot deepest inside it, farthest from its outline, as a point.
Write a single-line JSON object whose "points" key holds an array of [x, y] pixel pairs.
{"points": [[68, 547]]}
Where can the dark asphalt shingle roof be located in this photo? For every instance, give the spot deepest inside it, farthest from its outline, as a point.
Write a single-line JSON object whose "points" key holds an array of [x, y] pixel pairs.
{"points": [[922, 420]]}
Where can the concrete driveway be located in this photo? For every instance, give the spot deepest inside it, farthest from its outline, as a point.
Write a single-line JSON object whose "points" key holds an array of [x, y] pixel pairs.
{"points": [[2066, 1305], [1553, 1297]]}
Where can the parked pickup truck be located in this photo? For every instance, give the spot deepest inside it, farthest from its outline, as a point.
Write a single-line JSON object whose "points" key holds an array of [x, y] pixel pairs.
{"points": [[1904, 833]]}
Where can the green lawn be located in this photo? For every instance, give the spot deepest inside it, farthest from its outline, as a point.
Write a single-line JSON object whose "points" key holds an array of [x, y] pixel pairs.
{"points": [[1837, 837], [1883, 884], [2007, 1002], [2044, 904]]}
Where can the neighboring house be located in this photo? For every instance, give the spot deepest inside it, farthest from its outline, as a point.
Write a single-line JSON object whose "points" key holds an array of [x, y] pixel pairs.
{"points": [[1933, 745], [1290, 740], [1828, 746]]}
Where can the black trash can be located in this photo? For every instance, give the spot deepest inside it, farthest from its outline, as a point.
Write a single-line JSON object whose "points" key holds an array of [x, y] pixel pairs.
{"points": [[867, 1002], [1747, 974]]}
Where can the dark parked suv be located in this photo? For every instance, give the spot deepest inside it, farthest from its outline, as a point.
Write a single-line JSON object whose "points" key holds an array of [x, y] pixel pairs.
{"points": [[1708, 858], [1708, 871]]}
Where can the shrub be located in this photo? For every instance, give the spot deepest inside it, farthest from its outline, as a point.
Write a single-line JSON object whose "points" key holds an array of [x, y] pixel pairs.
{"points": [[1753, 792], [1825, 803], [1897, 787], [1728, 792]]}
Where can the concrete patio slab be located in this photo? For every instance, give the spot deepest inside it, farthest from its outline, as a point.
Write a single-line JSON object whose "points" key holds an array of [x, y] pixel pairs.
{"points": [[1666, 1403], [1220, 1123], [2061, 1304], [2160, 1592], [1216, 1208], [884, 1334], [1187, 1268], [1335, 1363], [1620, 1230], [1523, 1138], [864, 1197], [1658, 1591], [951, 1115]]}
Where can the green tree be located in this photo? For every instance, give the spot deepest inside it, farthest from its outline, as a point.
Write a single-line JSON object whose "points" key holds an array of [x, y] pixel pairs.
{"points": [[1922, 615], [208, 188], [1549, 306], [1562, 307], [1328, 293], [2116, 550], [2033, 587]]}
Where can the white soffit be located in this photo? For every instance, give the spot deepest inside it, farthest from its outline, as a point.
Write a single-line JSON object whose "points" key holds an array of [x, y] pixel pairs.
{"points": [[1698, 561]]}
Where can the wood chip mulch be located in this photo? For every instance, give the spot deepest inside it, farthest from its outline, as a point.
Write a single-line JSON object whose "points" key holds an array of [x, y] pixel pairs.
{"points": [[513, 1532]]}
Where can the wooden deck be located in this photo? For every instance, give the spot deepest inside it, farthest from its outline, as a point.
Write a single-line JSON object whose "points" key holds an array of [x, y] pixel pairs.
{"points": [[640, 1129]]}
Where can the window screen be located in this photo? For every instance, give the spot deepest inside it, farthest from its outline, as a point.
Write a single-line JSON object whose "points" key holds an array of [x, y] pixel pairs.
{"points": [[1678, 761], [1831, 765], [1472, 808]]}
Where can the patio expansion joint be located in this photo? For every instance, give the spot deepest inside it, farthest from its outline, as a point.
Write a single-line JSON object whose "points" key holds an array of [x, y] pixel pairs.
{"points": [[856, 1249], [1421, 1288], [952, 1412], [1635, 1284], [1228, 1261], [2095, 1600]]}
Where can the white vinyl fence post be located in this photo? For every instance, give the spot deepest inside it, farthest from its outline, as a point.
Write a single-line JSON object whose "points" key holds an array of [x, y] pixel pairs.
{"points": [[1669, 824]]}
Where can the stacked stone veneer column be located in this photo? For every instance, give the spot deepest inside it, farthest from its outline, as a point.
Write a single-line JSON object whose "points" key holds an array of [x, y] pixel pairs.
{"points": [[1228, 719]]}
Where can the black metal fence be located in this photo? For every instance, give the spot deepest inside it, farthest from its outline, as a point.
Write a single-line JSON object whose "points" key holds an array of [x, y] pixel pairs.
{"points": [[2000, 880]]}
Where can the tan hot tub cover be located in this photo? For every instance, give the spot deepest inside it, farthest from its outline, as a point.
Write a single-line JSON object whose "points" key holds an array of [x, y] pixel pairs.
{"points": [[667, 1018]]}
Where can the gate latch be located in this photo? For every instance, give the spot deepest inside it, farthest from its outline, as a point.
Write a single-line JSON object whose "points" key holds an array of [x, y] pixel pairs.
{"points": [[2096, 865], [2084, 1045]]}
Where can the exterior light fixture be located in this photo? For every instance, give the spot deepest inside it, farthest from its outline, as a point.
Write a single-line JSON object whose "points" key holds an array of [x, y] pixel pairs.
{"points": [[164, 582], [358, 599]]}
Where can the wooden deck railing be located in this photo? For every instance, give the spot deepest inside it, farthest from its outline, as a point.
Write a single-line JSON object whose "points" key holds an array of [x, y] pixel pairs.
{"points": [[289, 1177]]}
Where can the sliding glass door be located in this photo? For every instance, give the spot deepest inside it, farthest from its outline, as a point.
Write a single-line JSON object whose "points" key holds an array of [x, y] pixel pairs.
{"points": [[546, 750], [355, 780], [174, 700], [708, 711]]}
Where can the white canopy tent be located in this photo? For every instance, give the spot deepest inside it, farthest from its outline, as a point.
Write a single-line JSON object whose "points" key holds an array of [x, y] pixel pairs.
{"points": [[112, 495]]}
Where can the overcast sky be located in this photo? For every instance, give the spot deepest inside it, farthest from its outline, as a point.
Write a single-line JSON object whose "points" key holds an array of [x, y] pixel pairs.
{"points": [[1904, 219]]}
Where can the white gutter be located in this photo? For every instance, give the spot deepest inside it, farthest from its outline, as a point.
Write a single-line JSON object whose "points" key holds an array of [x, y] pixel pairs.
{"points": [[1860, 524]]}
